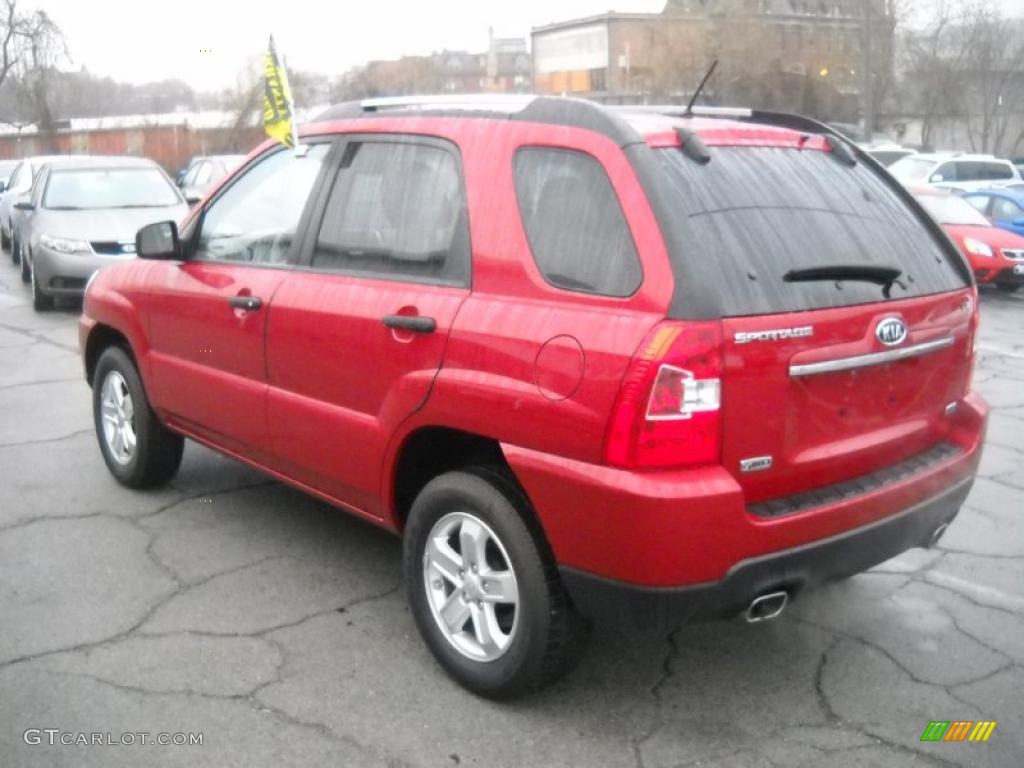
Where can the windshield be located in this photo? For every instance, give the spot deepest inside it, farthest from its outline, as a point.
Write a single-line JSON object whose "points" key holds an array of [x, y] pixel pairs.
{"points": [[911, 168], [951, 210], [753, 214], [94, 188]]}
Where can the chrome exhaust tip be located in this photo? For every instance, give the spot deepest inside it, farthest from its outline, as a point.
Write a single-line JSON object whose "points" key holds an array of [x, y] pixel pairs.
{"points": [[937, 534], [767, 606]]}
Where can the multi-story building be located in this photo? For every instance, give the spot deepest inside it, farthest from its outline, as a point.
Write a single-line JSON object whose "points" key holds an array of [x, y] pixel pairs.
{"points": [[798, 54]]}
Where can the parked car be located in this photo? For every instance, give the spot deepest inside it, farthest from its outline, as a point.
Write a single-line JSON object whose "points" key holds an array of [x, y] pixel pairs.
{"points": [[205, 173], [6, 168], [995, 255], [955, 170], [82, 214], [179, 177], [587, 361], [887, 153], [1003, 207], [18, 186]]}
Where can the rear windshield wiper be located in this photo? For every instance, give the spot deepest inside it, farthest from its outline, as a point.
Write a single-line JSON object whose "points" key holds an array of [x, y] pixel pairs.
{"points": [[866, 273]]}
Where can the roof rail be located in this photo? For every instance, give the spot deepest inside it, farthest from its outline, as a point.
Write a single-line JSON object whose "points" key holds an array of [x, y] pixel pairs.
{"points": [[526, 107], [490, 101]]}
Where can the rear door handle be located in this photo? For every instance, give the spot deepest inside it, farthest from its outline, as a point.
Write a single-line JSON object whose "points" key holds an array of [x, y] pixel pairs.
{"points": [[414, 323], [247, 303]]}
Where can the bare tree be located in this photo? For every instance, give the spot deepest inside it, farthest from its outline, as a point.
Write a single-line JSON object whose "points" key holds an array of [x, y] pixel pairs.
{"points": [[935, 67], [995, 77], [31, 45]]}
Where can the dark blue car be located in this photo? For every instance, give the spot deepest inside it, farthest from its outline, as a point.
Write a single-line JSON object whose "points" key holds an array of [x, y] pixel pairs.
{"points": [[1005, 207]]}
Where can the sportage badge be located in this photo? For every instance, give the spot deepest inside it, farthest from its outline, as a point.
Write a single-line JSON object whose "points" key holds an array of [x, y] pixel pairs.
{"points": [[891, 331]]}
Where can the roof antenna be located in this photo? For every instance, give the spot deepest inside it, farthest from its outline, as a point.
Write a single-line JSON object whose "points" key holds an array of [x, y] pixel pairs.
{"points": [[700, 89]]}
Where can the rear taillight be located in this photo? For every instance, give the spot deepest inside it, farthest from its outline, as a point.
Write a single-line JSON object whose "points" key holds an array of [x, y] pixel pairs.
{"points": [[667, 413]]}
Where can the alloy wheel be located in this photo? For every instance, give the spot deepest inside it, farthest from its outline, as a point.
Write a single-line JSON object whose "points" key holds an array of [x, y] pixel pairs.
{"points": [[118, 414], [471, 586]]}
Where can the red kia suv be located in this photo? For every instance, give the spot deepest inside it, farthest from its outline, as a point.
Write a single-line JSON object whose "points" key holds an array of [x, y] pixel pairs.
{"points": [[644, 365]]}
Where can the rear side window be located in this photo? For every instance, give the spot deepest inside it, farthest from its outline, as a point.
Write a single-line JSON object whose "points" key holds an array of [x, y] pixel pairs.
{"points": [[577, 231], [396, 210], [753, 214], [972, 170]]}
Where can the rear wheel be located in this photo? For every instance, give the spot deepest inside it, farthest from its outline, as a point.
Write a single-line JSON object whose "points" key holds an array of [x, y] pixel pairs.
{"points": [[14, 249], [139, 451], [483, 587], [5, 241]]}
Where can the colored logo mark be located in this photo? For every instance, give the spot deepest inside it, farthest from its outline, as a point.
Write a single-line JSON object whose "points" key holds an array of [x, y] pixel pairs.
{"points": [[958, 730]]}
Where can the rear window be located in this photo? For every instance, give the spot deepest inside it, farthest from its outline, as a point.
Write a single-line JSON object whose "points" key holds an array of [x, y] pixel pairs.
{"points": [[953, 211], [754, 213]]}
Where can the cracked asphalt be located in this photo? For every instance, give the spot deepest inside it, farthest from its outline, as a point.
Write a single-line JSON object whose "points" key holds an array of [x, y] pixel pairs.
{"points": [[231, 605]]}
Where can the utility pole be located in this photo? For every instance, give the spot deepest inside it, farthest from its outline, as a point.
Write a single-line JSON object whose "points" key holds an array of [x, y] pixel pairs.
{"points": [[867, 74]]}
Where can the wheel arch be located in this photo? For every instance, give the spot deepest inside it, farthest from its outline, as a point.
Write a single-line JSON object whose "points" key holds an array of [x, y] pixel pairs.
{"points": [[429, 451], [101, 337]]}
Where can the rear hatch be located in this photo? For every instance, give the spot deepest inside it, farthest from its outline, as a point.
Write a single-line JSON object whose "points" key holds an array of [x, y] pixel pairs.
{"points": [[834, 365]]}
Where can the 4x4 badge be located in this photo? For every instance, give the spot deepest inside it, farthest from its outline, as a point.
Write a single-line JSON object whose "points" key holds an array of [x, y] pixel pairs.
{"points": [[891, 331], [755, 464]]}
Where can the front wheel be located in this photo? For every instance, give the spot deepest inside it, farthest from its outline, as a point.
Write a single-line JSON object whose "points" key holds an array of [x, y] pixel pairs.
{"points": [[26, 269], [1008, 287], [40, 301], [140, 452], [483, 587]]}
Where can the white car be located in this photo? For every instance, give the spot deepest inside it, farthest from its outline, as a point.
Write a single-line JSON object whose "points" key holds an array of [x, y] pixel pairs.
{"points": [[955, 170], [18, 185], [887, 153]]}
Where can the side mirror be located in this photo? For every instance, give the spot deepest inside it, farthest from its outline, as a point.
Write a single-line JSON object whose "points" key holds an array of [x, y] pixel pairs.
{"points": [[25, 205], [158, 241], [192, 197]]}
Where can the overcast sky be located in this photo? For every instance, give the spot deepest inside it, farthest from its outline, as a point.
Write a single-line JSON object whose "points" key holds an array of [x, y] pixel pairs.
{"points": [[144, 40]]}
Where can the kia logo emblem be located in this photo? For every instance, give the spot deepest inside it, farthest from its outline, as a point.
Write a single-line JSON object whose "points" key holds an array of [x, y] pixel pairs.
{"points": [[891, 331]]}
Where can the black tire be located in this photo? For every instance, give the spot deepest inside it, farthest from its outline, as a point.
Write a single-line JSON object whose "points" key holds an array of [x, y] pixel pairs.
{"points": [[158, 451], [14, 249], [26, 269], [549, 635], [40, 301], [1008, 287], [5, 241]]}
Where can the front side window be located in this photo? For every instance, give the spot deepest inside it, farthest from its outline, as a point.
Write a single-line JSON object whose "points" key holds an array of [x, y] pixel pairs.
{"points": [[396, 210], [256, 218], [576, 228], [96, 188], [1006, 210]]}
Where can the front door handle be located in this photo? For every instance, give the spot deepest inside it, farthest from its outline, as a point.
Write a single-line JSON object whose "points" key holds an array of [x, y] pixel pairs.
{"points": [[246, 303], [414, 323]]}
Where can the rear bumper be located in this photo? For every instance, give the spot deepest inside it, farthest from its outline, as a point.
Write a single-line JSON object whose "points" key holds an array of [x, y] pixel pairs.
{"points": [[691, 531], [791, 570]]}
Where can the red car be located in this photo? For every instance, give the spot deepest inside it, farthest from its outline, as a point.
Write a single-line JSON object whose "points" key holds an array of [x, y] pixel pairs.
{"points": [[995, 255], [590, 363]]}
